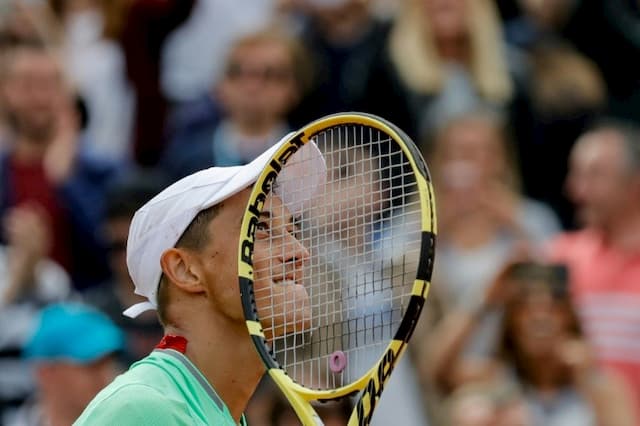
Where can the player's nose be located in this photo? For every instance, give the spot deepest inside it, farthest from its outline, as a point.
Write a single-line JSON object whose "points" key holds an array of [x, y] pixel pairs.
{"points": [[295, 251]]}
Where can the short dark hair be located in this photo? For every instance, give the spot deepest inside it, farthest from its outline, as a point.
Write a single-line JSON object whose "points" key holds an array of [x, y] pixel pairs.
{"points": [[630, 136], [195, 237]]}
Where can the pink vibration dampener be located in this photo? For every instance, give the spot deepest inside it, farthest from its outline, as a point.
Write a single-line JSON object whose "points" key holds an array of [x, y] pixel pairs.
{"points": [[337, 362]]}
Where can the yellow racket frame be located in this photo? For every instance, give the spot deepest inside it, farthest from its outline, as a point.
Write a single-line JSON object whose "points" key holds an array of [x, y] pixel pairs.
{"points": [[373, 381]]}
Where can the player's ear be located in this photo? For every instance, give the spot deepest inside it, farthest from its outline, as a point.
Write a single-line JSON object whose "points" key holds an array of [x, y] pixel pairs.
{"points": [[180, 268]]}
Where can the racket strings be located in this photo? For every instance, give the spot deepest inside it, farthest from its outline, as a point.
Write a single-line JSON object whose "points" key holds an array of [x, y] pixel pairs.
{"points": [[361, 237]]}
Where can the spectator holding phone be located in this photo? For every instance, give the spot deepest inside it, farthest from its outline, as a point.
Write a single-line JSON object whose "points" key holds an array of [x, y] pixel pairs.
{"points": [[604, 256], [42, 167], [542, 349], [543, 346]]}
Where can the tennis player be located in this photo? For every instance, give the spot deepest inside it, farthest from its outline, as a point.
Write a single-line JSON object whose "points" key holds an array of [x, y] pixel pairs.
{"points": [[182, 255]]}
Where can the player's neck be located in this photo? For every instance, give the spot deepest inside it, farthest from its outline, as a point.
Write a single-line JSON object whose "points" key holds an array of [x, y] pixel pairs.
{"points": [[225, 355]]}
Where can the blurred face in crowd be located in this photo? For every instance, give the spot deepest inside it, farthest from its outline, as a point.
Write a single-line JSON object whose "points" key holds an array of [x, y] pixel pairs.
{"points": [[70, 387], [340, 21], [447, 18], [537, 320], [32, 91], [547, 13], [475, 146], [600, 182], [470, 161], [259, 85]]}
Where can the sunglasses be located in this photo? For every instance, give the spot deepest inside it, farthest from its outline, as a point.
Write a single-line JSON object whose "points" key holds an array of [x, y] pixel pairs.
{"points": [[555, 277], [267, 74]]}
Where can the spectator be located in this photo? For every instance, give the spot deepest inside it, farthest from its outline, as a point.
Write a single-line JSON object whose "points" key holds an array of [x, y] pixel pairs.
{"points": [[604, 256], [124, 196], [482, 214], [566, 94], [538, 20], [482, 219], [41, 167], [543, 345], [22, 21], [444, 57], [28, 281], [145, 28], [610, 47], [73, 351], [191, 59], [543, 350], [345, 40], [94, 62], [265, 77]]}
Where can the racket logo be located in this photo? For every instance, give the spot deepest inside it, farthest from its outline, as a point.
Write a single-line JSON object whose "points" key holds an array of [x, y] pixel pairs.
{"points": [[374, 388], [266, 186]]}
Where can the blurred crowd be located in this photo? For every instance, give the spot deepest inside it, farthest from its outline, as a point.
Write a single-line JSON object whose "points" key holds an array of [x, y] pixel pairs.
{"points": [[527, 112]]}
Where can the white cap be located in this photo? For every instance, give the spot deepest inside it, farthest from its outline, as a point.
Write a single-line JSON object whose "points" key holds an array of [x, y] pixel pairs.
{"points": [[158, 225]]}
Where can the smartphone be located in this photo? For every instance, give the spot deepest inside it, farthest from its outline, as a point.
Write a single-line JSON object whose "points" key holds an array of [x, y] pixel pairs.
{"points": [[555, 275]]}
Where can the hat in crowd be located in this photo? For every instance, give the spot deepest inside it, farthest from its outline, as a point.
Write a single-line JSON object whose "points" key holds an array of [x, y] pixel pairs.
{"points": [[73, 332], [158, 225]]}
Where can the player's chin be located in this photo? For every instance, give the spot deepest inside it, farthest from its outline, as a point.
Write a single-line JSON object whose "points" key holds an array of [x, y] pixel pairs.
{"points": [[289, 313], [297, 311], [293, 325], [290, 324]]}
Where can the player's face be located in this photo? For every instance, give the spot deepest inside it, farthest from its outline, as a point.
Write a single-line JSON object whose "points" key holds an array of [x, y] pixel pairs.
{"points": [[283, 302], [219, 258]]}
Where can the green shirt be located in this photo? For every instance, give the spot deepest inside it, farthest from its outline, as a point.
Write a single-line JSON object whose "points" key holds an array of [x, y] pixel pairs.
{"points": [[164, 388]]}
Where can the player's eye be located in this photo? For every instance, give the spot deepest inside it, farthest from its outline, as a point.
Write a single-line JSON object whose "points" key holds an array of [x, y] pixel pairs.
{"points": [[262, 229], [296, 227]]}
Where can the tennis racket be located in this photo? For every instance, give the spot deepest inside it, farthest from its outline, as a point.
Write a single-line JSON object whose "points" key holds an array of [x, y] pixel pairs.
{"points": [[335, 260]]}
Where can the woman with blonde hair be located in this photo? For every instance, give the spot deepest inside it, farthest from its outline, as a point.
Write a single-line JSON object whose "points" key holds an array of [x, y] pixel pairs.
{"points": [[448, 56]]}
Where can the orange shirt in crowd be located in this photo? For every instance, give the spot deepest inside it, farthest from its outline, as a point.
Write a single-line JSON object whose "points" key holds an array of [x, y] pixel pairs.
{"points": [[605, 288]]}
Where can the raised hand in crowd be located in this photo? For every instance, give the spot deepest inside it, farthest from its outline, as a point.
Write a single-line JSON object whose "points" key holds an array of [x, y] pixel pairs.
{"points": [[59, 158], [29, 240]]}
